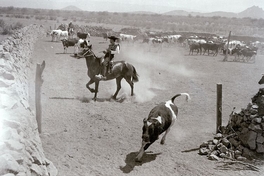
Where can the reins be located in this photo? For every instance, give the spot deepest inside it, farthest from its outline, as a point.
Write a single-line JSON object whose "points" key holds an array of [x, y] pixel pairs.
{"points": [[89, 50]]}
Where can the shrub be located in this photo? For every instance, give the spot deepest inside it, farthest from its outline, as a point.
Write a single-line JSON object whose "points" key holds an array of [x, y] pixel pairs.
{"points": [[7, 30], [39, 17], [2, 23], [18, 25], [52, 18]]}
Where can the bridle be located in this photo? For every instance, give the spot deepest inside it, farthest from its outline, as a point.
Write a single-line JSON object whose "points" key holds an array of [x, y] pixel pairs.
{"points": [[89, 51]]}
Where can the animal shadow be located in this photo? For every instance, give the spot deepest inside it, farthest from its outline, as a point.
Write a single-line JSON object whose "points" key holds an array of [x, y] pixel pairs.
{"points": [[89, 100], [63, 53], [131, 163]]}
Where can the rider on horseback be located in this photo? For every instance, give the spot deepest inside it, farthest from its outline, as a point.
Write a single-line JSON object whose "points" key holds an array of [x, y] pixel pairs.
{"points": [[113, 49], [70, 27]]}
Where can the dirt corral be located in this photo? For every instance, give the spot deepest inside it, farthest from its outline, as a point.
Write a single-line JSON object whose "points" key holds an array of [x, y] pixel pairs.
{"points": [[83, 137]]}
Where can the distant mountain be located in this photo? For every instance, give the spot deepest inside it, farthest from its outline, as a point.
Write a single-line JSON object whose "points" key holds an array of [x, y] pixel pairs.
{"points": [[252, 12], [143, 12], [72, 8]]}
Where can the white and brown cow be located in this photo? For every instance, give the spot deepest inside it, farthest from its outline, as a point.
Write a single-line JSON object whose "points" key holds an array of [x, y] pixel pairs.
{"points": [[161, 118]]}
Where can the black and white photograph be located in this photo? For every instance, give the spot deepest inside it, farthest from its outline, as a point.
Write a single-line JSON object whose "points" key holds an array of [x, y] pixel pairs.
{"points": [[131, 88]]}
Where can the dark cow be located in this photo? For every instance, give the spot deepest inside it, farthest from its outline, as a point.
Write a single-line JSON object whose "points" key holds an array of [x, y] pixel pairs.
{"points": [[83, 35], [261, 81], [210, 46], [105, 35], [181, 40], [237, 52], [145, 40], [77, 43], [165, 40], [248, 53], [70, 42], [194, 46], [161, 118]]}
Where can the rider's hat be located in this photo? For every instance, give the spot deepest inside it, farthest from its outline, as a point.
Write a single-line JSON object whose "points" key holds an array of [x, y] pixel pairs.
{"points": [[113, 38]]}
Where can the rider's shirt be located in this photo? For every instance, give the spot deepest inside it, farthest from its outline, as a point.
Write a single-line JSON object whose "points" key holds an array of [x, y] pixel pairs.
{"points": [[114, 48]]}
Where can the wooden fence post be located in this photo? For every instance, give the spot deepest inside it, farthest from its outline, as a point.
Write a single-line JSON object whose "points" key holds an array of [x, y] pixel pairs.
{"points": [[226, 55], [219, 107], [38, 84]]}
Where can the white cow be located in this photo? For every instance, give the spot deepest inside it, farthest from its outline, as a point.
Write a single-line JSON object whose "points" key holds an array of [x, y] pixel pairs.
{"points": [[127, 37], [55, 34], [173, 38], [233, 44], [64, 34]]}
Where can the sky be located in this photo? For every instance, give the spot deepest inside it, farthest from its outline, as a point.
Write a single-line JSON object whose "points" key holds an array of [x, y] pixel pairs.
{"points": [[157, 6]]}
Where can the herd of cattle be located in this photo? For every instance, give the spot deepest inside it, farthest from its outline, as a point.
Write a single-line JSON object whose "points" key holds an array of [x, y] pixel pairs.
{"points": [[195, 44]]}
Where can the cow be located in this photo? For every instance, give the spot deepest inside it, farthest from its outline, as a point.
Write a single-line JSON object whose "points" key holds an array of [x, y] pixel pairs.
{"points": [[261, 81], [70, 42], [210, 46], [77, 43], [64, 34], [157, 40], [105, 35], [232, 45], [248, 53], [83, 35], [127, 37], [237, 52], [173, 38], [194, 46], [145, 40], [82, 44], [160, 119], [55, 34]]}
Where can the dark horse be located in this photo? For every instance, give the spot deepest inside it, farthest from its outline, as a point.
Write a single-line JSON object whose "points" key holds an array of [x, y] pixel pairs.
{"points": [[120, 70]]}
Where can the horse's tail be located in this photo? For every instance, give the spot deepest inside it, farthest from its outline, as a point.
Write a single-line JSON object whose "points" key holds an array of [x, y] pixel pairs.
{"points": [[135, 75]]}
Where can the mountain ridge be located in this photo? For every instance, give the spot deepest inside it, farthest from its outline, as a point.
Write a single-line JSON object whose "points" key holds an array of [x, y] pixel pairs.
{"points": [[252, 12], [72, 8]]}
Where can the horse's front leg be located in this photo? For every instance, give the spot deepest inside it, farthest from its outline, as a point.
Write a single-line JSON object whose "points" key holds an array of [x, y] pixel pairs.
{"points": [[96, 90], [88, 86]]}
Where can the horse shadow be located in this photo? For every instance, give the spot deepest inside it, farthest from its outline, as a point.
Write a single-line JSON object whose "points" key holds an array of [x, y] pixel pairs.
{"points": [[131, 163], [110, 99]]}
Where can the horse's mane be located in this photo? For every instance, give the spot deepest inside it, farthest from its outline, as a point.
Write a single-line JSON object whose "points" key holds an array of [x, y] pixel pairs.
{"points": [[96, 57]]}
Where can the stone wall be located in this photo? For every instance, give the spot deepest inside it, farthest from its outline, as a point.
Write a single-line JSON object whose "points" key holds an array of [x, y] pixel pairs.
{"points": [[21, 151], [243, 137]]}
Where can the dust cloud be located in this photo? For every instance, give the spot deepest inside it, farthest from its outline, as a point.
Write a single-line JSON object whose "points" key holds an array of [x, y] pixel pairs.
{"points": [[149, 64]]}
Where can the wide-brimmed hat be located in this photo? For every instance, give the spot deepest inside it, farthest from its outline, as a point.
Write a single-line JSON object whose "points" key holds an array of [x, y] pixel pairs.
{"points": [[113, 37]]}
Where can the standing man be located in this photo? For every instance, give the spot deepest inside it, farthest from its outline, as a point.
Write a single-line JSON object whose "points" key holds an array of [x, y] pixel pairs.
{"points": [[70, 27], [113, 48]]}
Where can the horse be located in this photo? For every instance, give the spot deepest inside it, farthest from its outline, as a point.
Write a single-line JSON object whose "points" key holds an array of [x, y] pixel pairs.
{"points": [[120, 70]]}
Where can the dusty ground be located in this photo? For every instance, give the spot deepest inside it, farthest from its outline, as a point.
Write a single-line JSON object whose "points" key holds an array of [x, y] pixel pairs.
{"points": [[86, 138]]}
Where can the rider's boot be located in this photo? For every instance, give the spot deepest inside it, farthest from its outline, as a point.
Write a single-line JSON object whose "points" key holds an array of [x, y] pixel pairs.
{"points": [[104, 73], [110, 67]]}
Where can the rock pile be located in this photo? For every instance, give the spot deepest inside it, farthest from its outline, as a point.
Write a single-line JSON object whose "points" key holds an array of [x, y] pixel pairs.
{"points": [[243, 137], [21, 151]]}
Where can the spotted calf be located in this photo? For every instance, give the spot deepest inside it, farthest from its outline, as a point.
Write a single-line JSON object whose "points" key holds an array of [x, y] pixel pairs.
{"points": [[161, 118]]}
